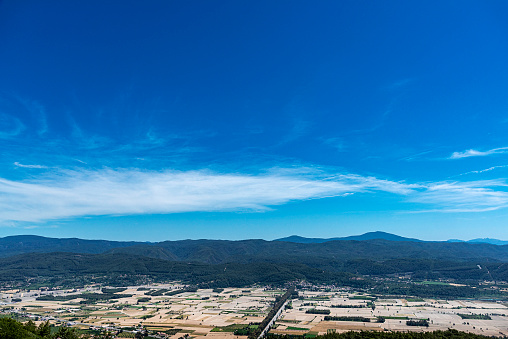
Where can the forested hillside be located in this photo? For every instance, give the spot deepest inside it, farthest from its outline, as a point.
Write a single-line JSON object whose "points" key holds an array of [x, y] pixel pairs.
{"points": [[20, 244], [120, 269], [219, 251], [71, 270], [222, 251], [240, 263]]}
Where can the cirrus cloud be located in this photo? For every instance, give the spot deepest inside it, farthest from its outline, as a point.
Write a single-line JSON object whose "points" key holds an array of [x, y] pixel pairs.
{"points": [[475, 153], [17, 164], [71, 194], [473, 196]]}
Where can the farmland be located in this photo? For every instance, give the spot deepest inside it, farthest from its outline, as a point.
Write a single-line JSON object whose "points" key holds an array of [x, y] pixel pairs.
{"points": [[176, 311]]}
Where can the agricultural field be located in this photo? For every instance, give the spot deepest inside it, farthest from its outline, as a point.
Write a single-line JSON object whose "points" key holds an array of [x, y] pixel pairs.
{"points": [[389, 314], [178, 311], [196, 313]]}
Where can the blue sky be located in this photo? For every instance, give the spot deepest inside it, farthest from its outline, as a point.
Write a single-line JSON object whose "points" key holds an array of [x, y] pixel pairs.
{"points": [[253, 119]]}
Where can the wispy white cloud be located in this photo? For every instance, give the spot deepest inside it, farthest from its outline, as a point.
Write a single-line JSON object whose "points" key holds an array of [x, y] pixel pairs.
{"points": [[335, 142], [70, 194], [483, 170], [299, 127], [42, 117], [17, 164], [472, 196], [80, 161], [474, 153], [415, 156], [37, 112], [153, 139], [88, 141], [10, 126], [108, 192], [19, 114]]}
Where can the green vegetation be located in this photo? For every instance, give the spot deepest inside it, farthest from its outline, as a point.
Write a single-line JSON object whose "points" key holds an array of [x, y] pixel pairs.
{"points": [[290, 293], [286, 263], [347, 318], [474, 316], [297, 328], [173, 331], [229, 328], [183, 290], [317, 311], [204, 263], [418, 322], [93, 297], [175, 292], [318, 298], [433, 283], [238, 329], [449, 334], [435, 291], [113, 290], [248, 331], [156, 293], [126, 335], [13, 329], [363, 297]]}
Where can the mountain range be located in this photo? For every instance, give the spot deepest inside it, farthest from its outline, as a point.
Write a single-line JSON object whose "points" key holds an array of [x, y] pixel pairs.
{"points": [[385, 236], [19, 244], [387, 245], [482, 241], [286, 259], [365, 236]]}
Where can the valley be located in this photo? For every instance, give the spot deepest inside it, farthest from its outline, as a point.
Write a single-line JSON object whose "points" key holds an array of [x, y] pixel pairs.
{"points": [[174, 310]]}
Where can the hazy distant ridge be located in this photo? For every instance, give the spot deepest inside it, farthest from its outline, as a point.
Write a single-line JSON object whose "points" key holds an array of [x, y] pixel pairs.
{"points": [[482, 241], [371, 246], [366, 236], [20, 244], [384, 236]]}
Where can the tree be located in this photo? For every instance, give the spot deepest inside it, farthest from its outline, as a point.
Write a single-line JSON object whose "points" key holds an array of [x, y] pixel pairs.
{"points": [[44, 329], [30, 326], [66, 333]]}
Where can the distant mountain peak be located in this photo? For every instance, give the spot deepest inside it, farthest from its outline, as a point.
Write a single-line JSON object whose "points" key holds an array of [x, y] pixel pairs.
{"points": [[488, 241], [366, 236], [482, 241]]}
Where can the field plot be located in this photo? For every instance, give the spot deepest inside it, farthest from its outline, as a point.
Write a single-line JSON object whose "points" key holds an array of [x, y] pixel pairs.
{"points": [[321, 312], [167, 308], [181, 311]]}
